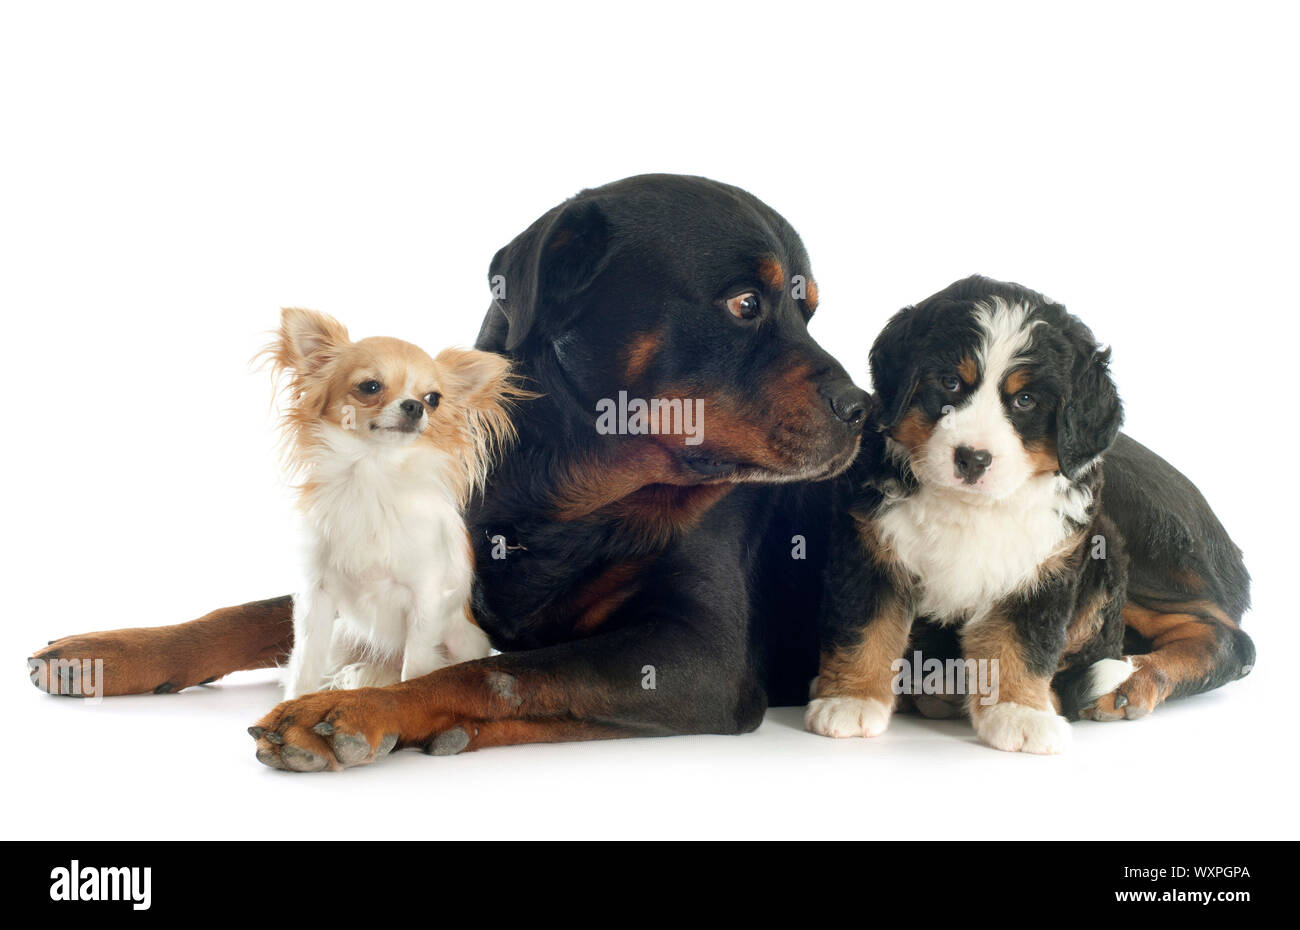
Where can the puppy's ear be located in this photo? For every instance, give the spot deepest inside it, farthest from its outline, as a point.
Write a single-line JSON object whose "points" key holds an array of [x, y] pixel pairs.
{"points": [[894, 373], [1088, 418], [535, 277], [308, 340]]}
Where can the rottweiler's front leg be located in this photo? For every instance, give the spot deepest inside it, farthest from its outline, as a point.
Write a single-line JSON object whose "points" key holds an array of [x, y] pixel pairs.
{"points": [[1022, 641], [674, 661], [653, 679]]}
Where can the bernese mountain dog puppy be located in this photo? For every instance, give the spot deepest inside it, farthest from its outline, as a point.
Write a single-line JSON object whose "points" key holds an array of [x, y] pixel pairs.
{"points": [[1000, 534]]}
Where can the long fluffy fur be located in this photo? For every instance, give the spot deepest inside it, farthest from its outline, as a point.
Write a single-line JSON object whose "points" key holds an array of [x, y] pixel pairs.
{"points": [[387, 445]]}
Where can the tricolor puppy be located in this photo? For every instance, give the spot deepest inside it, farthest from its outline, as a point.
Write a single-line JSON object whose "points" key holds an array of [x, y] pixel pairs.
{"points": [[976, 515], [390, 443]]}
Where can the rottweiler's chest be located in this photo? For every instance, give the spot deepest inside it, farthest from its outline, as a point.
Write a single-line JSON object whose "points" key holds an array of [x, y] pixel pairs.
{"points": [[530, 598], [548, 580]]}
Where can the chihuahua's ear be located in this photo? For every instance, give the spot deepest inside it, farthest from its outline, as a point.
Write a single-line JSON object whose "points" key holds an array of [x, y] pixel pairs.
{"points": [[481, 385], [308, 339], [472, 377]]}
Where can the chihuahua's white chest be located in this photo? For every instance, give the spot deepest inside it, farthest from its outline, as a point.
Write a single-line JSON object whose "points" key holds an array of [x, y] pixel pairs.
{"points": [[389, 570], [378, 522]]}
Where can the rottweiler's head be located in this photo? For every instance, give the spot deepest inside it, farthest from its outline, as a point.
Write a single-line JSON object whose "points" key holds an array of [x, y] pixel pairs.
{"points": [[986, 385], [674, 311]]}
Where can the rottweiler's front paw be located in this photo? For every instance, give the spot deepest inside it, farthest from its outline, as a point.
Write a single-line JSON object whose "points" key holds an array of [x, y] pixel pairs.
{"points": [[339, 729], [328, 730]]}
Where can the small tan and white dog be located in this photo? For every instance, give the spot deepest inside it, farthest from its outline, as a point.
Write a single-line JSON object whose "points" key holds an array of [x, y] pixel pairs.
{"points": [[389, 444]]}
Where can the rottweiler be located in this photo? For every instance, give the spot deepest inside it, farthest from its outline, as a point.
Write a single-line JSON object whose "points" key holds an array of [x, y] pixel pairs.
{"points": [[639, 581]]}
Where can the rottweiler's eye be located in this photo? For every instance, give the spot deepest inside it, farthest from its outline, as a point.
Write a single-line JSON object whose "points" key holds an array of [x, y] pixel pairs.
{"points": [[432, 399], [744, 306], [950, 383], [1024, 401], [369, 387]]}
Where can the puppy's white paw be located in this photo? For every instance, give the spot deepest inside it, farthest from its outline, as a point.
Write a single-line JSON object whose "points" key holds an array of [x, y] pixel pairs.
{"points": [[846, 716], [1016, 728]]}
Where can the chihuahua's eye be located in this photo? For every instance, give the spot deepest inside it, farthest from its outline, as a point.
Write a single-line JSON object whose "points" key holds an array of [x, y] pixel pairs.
{"points": [[1024, 401], [369, 387], [950, 383], [432, 399], [744, 306]]}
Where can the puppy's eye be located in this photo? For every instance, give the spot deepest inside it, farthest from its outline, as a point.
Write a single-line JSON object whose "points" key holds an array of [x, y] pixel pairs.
{"points": [[1024, 401], [369, 387], [744, 306], [950, 383], [432, 399]]}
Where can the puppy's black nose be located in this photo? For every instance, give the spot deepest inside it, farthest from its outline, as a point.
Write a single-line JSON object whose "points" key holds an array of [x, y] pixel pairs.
{"points": [[412, 408], [971, 463], [849, 402]]}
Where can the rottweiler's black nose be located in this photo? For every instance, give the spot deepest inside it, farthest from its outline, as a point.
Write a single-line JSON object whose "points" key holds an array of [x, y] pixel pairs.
{"points": [[412, 408], [849, 402], [971, 463]]}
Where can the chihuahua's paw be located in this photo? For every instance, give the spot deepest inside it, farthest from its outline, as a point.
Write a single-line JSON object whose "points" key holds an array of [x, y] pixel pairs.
{"points": [[846, 716], [1015, 728]]}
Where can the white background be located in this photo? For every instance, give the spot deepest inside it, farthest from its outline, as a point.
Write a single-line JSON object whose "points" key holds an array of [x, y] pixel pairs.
{"points": [[173, 175]]}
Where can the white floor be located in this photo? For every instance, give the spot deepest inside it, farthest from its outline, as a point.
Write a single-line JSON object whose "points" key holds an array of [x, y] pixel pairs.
{"points": [[182, 767]]}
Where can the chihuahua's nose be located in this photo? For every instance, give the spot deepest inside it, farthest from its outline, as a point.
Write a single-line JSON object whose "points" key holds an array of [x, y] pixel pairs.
{"points": [[412, 408]]}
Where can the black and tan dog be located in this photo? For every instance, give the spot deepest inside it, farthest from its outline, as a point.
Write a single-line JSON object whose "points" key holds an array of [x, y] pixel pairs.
{"points": [[638, 582], [995, 497]]}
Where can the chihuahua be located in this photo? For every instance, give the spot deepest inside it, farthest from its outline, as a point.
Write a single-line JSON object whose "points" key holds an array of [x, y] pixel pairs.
{"points": [[390, 444]]}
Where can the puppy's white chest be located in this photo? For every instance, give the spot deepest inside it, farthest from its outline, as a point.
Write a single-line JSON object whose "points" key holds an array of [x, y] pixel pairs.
{"points": [[966, 556]]}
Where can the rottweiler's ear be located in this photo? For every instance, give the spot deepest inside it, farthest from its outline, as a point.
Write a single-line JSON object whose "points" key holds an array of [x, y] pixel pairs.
{"points": [[894, 374], [534, 278], [1088, 418]]}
